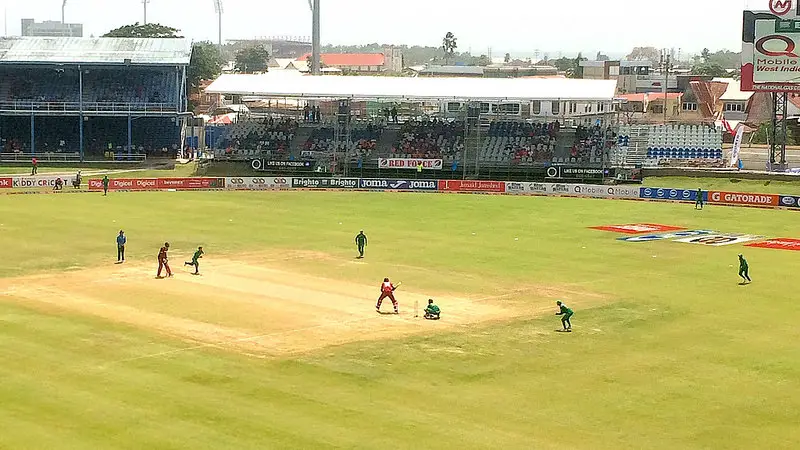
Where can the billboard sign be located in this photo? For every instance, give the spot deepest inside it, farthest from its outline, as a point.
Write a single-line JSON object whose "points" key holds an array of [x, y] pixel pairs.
{"points": [[398, 185], [771, 48], [743, 199], [472, 186], [257, 183], [576, 173], [680, 195], [325, 183], [266, 164], [403, 163]]}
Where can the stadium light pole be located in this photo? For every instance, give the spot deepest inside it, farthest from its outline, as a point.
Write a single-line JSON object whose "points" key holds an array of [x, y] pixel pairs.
{"points": [[145, 2], [315, 39], [219, 11], [63, 8]]}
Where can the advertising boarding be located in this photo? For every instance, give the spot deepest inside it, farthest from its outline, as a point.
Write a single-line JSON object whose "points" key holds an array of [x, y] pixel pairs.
{"points": [[743, 198], [495, 187], [325, 183], [257, 183], [771, 48], [398, 185], [683, 195], [409, 163]]}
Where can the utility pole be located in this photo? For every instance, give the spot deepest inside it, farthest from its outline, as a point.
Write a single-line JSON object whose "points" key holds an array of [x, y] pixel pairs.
{"points": [[219, 10], [63, 7], [666, 66]]}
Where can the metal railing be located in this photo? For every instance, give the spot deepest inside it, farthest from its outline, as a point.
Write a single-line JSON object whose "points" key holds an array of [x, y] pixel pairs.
{"points": [[71, 157], [88, 107]]}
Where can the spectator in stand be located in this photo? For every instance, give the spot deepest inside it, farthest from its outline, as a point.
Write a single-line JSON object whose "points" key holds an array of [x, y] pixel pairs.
{"points": [[307, 113]]}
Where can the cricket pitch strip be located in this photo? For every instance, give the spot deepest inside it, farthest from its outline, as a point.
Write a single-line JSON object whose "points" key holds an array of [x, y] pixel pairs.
{"points": [[241, 307]]}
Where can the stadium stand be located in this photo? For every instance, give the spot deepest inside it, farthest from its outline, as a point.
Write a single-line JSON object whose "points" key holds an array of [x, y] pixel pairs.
{"points": [[519, 143], [430, 139], [671, 145], [132, 103], [245, 139]]}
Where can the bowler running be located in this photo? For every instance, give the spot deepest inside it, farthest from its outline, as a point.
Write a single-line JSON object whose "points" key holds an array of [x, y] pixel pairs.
{"points": [[194, 262]]}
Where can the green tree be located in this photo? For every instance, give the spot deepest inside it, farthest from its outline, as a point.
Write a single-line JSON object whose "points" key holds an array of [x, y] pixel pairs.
{"points": [[705, 55], [206, 63], [150, 30], [507, 58], [651, 54], [252, 59], [709, 69], [449, 45]]}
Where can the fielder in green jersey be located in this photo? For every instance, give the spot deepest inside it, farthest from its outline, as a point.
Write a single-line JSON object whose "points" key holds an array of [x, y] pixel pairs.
{"points": [[361, 242], [699, 200], [744, 270], [194, 262], [566, 313]]}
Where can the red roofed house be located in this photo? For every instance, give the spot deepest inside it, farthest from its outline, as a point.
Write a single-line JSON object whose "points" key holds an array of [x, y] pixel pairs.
{"points": [[391, 60], [650, 106]]}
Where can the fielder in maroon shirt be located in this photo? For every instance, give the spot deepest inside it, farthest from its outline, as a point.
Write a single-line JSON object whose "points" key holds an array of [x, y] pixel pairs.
{"points": [[163, 261]]}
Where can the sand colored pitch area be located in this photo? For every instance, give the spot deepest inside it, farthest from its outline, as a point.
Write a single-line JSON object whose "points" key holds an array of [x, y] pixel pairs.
{"points": [[240, 306]]}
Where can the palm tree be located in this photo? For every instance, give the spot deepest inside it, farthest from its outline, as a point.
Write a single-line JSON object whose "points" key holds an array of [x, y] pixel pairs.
{"points": [[449, 45]]}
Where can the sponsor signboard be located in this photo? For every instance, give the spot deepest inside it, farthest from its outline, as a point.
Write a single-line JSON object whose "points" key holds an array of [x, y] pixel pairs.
{"points": [[39, 181], [524, 188], [788, 201], [142, 184], [601, 191], [778, 244], [398, 185], [575, 173], [325, 183], [257, 183], [6, 183], [409, 163], [745, 199], [125, 184], [638, 228], [190, 183], [667, 236], [718, 240], [472, 186], [770, 53], [683, 195], [265, 164]]}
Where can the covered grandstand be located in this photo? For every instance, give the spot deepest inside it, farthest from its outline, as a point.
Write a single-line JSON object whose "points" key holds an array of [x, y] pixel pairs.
{"points": [[462, 126], [105, 98]]}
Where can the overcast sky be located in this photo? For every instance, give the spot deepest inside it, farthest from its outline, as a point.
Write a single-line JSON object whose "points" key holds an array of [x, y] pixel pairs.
{"points": [[611, 26]]}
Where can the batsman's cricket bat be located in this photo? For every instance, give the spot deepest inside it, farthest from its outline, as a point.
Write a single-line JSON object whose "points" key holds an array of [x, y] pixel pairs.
{"points": [[397, 285], [416, 308]]}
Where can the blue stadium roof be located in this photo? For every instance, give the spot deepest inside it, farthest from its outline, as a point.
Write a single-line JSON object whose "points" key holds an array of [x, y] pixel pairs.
{"points": [[95, 51]]}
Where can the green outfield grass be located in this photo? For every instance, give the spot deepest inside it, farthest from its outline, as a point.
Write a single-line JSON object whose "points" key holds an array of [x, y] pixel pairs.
{"points": [[676, 355]]}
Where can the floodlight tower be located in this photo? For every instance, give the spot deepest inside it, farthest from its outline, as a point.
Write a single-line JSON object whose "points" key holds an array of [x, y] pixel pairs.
{"points": [[63, 7], [315, 42], [218, 9], [145, 2]]}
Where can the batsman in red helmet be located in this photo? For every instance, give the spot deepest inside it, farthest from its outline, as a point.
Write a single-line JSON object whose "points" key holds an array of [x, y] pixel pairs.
{"points": [[387, 291]]}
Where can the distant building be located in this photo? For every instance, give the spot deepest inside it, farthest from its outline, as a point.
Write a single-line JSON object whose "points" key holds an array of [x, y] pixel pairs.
{"points": [[391, 60], [633, 77], [50, 28], [493, 71]]}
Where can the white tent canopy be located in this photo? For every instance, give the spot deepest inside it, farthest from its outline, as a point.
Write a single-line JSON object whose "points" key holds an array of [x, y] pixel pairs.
{"points": [[397, 88]]}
